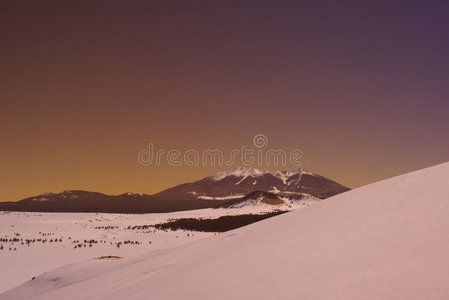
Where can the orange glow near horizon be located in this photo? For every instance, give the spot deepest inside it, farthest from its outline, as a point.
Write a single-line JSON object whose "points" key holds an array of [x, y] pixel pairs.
{"points": [[85, 88]]}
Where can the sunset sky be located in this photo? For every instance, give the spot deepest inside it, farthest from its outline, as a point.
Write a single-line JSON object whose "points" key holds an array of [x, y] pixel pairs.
{"points": [[361, 87]]}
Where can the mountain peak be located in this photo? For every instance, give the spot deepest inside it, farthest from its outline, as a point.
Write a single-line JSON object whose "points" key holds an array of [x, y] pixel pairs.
{"points": [[252, 172], [238, 172]]}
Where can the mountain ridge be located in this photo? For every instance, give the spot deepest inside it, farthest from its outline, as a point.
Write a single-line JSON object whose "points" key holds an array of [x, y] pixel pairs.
{"points": [[209, 192], [242, 181]]}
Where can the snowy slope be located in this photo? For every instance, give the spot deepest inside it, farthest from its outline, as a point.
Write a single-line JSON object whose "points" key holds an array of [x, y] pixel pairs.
{"points": [[25, 261], [242, 172], [21, 261], [387, 240]]}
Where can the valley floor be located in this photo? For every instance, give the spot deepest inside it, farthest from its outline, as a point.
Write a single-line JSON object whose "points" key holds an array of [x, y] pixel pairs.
{"points": [[34, 243]]}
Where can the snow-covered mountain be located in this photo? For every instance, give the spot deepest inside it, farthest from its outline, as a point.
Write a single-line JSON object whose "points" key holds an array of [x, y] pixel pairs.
{"points": [[387, 240], [239, 182], [221, 188]]}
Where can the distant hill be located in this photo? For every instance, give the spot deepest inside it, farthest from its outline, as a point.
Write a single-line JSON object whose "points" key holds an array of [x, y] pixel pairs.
{"points": [[210, 192]]}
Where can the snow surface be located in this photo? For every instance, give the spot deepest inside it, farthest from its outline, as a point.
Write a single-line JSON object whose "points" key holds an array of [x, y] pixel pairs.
{"points": [[229, 197], [239, 172], [244, 173], [387, 240], [20, 265], [26, 262]]}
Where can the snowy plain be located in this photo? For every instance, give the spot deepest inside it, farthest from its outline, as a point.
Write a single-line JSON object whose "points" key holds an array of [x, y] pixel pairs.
{"points": [[72, 229], [387, 240], [64, 232]]}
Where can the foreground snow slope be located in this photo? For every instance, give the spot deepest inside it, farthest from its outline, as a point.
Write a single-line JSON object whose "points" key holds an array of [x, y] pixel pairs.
{"points": [[20, 261], [387, 240]]}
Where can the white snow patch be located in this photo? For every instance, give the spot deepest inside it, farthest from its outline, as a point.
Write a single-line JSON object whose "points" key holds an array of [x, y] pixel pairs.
{"points": [[244, 173], [220, 198], [40, 199], [275, 190], [239, 172]]}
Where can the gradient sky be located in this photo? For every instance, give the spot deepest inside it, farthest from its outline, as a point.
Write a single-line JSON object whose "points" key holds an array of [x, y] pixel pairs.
{"points": [[362, 87]]}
